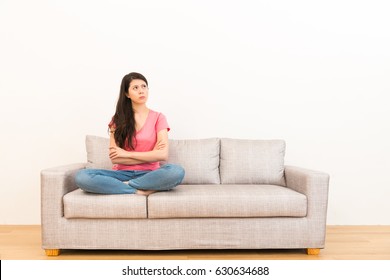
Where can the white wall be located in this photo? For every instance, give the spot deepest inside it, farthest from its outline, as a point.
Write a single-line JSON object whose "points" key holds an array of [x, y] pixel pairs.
{"points": [[315, 73]]}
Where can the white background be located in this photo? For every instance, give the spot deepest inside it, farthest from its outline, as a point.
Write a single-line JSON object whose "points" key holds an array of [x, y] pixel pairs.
{"points": [[314, 73], [214, 269]]}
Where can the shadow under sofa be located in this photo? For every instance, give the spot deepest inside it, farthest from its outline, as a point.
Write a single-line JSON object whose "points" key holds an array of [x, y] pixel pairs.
{"points": [[236, 194]]}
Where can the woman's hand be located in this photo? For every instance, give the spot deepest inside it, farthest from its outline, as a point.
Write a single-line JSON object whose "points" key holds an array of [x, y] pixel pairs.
{"points": [[116, 152]]}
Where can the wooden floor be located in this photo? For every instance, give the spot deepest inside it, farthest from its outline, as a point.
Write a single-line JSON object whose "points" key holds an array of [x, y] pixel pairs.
{"points": [[342, 243]]}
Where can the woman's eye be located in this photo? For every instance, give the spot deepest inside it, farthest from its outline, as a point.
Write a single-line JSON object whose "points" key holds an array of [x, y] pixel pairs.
{"points": [[135, 88], [143, 86]]}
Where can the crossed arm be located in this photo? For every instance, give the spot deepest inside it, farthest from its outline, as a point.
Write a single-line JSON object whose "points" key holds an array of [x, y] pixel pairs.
{"points": [[159, 153]]}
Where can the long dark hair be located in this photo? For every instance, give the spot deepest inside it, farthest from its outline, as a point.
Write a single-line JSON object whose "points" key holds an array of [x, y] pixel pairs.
{"points": [[123, 119]]}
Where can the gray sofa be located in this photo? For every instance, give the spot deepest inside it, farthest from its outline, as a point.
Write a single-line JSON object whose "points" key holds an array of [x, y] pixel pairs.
{"points": [[236, 194]]}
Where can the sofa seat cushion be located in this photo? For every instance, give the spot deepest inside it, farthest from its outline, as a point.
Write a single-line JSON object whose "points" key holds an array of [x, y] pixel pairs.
{"points": [[201, 201], [81, 204]]}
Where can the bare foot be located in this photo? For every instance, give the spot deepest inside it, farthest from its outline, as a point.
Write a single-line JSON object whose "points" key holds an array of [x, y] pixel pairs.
{"points": [[142, 192]]}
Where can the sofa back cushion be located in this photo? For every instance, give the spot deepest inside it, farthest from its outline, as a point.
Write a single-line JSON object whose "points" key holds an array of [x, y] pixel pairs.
{"points": [[97, 152], [252, 161], [199, 158]]}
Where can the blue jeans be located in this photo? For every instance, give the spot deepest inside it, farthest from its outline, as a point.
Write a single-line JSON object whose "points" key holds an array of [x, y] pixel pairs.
{"points": [[104, 181]]}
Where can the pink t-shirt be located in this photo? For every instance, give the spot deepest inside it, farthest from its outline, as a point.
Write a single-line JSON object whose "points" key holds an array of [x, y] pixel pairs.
{"points": [[146, 139]]}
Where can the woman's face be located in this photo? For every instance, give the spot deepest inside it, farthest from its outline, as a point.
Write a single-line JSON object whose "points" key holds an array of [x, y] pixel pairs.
{"points": [[138, 91]]}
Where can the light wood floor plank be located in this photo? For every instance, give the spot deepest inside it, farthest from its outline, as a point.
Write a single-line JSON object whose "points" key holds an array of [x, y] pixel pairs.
{"points": [[342, 243]]}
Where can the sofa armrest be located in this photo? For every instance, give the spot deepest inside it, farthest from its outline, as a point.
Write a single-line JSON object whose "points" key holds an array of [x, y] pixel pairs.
{"points": [[55, 183], [314, 185]]}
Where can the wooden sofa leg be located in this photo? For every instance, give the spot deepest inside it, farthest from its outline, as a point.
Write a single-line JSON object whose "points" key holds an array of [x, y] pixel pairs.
{"points": [[313, 251], [52, 252]]}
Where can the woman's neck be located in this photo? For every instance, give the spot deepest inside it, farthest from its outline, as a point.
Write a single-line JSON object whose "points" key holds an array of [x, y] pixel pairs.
{"points": [[140, 108]]}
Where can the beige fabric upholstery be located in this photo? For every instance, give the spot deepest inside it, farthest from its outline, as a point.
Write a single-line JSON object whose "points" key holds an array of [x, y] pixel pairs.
{"points": [[252, 161], [296, 213], [97, 152], [183, 233], [199, 158], [315, 185], [80, 204], [174, 234], [208, 201]]}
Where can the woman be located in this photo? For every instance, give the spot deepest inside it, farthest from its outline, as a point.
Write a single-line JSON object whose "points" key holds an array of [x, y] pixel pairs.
{"points": [[138, 141]]}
